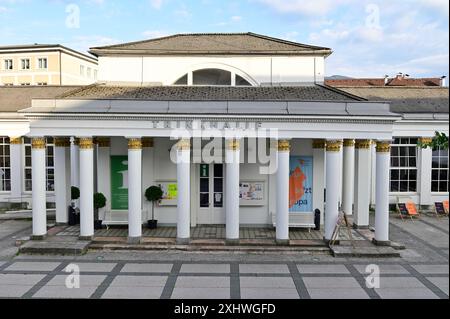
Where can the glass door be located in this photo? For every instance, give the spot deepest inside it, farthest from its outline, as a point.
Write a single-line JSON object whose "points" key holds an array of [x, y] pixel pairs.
{"points": [[211, 194]]}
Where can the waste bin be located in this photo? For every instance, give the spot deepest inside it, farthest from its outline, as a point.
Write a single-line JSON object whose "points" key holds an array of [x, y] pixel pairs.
{"points": [[317, 219], [72, 216]]}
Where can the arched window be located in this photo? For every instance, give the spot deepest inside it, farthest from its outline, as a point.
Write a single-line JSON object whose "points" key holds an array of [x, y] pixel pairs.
{"points": [[213, 77]]}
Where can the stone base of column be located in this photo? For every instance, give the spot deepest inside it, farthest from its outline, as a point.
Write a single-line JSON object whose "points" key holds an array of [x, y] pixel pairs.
{"points": [[232, 242], [86, 238], [327, 242], [38, 238], [282, 242], [381, 243], [360, 226], [134, 240], [183, 241]]}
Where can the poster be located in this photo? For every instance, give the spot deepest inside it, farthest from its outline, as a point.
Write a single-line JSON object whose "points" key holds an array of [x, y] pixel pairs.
{"points": [[300, 184], [251, 191], [170, 190], [119, 182]]}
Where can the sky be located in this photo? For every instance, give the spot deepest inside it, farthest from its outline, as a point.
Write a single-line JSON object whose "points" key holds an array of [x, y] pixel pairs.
{"points": [[370, 38]]}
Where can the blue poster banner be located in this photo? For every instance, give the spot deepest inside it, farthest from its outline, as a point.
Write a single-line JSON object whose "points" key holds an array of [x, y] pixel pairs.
{"points": [[300, 184]]}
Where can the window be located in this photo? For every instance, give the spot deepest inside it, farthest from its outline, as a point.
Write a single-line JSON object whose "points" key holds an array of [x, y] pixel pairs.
{"points": [[25, 84], [42, 83], [88, 73], [8, 64], [439, 172], [5, 165], [240, 81], [95, 74], [49, 163], [25, 63], [404, 165], [42, 63], [182, 81], [8, 84], [212, 77], [82, 70]]}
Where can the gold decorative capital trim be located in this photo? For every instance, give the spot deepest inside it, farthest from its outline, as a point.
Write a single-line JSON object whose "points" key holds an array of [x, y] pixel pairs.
{"points": [[62, 142], [284, 146], [426, 140], [363, 144], [184, 145], [148, 142], [383, 147], [134, 144], [334, 146], [38, 143], [349, 143], [76, 141], [233, 145], [16, 141], [319, 144], [86, 143], [103, 141]]}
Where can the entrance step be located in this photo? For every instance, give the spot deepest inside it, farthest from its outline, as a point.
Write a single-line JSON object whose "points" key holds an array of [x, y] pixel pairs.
{"points": [[364, 252], [70, 246]]}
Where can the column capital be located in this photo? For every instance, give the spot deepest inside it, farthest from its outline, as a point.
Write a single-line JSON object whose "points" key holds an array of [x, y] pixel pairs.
{"points": [[184, 144], [134, 144], [38, 143], [319, 144], [86, 143], [232, 144], [383, 146], [426, 140], [284, 146], [334, 146], [148, 142], [363, 144], [103, 141], [349, 143], [62, 142], [76, 141], [15, 140]]}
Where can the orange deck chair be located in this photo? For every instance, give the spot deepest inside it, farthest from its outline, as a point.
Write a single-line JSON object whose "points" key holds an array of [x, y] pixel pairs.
{"points": [[445, 202]]}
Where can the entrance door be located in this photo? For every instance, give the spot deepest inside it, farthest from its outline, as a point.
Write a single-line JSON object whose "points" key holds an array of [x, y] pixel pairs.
{"points": [[211, 194]]}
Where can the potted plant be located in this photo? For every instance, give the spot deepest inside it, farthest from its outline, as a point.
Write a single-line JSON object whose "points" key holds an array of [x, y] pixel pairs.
{"points": [[74, 217], [153, 194], [99, 202]]}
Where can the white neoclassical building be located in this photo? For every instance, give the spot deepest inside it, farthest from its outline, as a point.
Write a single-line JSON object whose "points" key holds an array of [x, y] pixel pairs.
{"points": [[237, 129]]}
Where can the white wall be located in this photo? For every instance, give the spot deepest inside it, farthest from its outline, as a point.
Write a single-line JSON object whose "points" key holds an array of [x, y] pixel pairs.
{"points": [[167, 70]]}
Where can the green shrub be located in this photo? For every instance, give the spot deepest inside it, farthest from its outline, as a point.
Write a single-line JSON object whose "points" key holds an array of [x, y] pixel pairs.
{"points": [[74, 193]]}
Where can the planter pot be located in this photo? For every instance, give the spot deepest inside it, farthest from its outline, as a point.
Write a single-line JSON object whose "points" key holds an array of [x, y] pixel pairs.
{"points": [[98, 224], [152, 224]]}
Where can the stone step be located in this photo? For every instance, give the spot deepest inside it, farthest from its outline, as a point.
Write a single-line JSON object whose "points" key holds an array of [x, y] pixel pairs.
{"points": [[65, 248], [364, 252]]}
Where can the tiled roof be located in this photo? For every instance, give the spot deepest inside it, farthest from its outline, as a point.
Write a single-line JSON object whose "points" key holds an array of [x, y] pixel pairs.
{"points": [[212, 43], [212, 93], [407, 99]]}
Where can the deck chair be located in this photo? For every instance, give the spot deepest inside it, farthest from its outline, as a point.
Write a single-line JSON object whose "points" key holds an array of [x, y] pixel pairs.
{"points": [[445, 203], [407, 210], [439, 209]]}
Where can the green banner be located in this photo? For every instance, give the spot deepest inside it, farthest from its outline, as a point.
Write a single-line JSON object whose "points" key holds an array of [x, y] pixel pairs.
{"points": [[119, 182]]}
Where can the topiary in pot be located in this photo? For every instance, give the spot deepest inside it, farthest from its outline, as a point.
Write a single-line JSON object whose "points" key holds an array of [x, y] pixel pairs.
{"points": [[99, 202], [153, 194], [74, 193]]}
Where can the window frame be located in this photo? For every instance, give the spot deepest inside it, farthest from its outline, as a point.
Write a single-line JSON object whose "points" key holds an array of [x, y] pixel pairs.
{"points": [[25, 67], [407, 167], [5, 143], [38, 63], [439, 170], [50, 148], [5, 61]]}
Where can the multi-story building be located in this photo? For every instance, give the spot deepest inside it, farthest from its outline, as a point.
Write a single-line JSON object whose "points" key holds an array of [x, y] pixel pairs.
{"points": [[43, 64]]}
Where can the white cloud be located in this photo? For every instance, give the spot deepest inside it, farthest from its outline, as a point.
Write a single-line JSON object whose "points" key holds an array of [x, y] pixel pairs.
{"points": [[152, 34], [304, 7], [157, 4], [84, 43]]}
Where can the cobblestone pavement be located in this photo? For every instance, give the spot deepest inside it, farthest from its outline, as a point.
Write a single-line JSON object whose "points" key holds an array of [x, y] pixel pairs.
{"points": [[421, 273]]}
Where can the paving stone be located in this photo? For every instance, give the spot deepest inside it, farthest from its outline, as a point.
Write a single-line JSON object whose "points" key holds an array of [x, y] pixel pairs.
{"points": [[339, 293], [2, 263], [122, 292], [410, 293], [323, 269], [15, 286], [263, 269], [441, 283], [275, 293], [432, 269], [267, 282], [147, 268], [330, 282], [14, 291], [204, 268], [400, 282], [202, 282], [384, 269], [139, 281], [56, 288], [96, 267], [201, 293], [33, 266]]}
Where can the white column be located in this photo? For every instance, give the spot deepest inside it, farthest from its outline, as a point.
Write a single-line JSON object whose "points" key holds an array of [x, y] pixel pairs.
{"points": [[232, 159], [104, 172], [425, 171], [75, 162], [362, 184], [86, 188], [319, 176], [184, 192], [382, 193], [39, 200], [332, 186], [16, 161], [62, 179], [348, 176], [282, 217], [134, 190]]}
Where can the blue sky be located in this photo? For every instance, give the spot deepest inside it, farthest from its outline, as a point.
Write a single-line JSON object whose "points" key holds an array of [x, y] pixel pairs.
{"points": [[369, 37]]}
